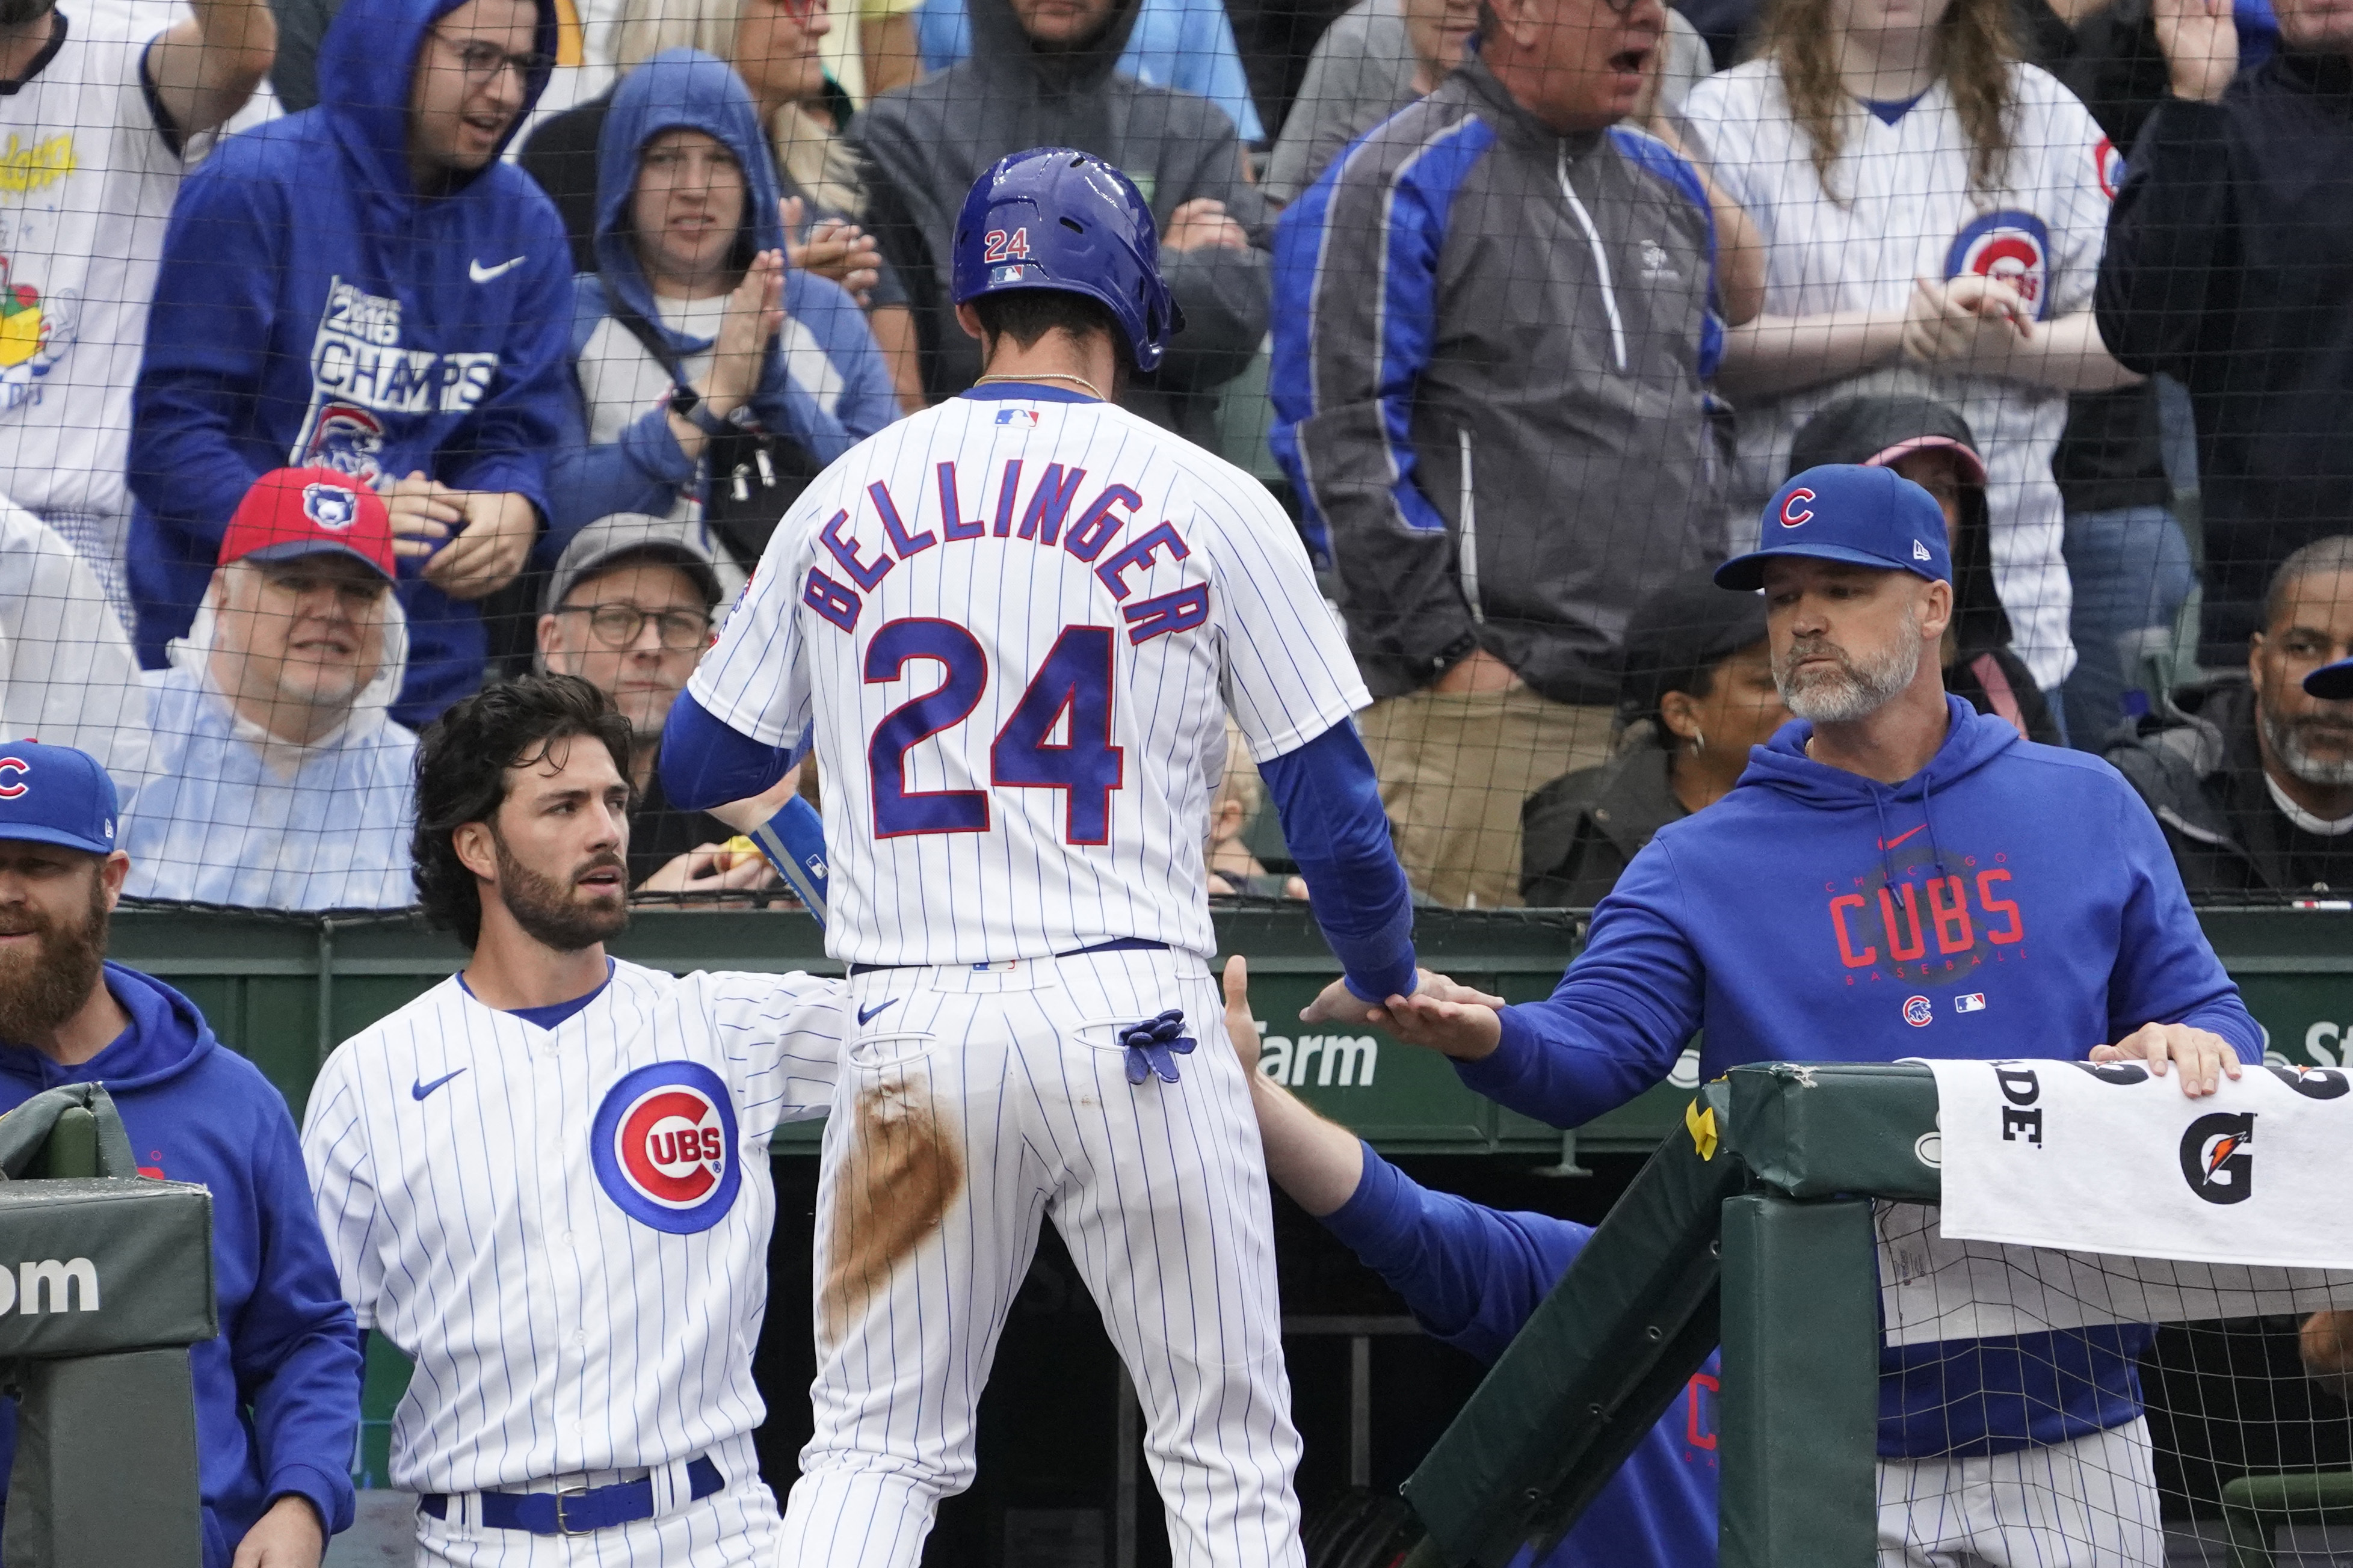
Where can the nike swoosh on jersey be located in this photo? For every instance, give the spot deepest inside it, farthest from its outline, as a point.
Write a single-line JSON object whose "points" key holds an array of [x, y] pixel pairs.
{"points": [[481, 274], [419, 1090], [1892, 843], [866, 1015]]}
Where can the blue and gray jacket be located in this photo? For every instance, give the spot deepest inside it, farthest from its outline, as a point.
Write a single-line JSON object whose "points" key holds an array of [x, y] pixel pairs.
{"points": [[1491, 345], [824, 385]]}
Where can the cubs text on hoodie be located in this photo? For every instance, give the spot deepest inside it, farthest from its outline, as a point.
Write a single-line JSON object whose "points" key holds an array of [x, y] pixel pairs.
{"points": [[2008, 901], [313, 308], [1472, 1276], [278, 1392]]}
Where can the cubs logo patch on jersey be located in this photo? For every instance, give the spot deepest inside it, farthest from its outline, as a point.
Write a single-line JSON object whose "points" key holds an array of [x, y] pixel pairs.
{"points": [[2110, 163], [664, 1147], [2013, 246]]}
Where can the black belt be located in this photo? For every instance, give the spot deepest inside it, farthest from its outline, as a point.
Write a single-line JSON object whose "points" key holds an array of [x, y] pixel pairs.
{"points": [[1117, 945], [581, 1510]]}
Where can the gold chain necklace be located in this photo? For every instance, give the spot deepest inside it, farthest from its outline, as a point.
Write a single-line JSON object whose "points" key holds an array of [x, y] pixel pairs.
{"points": [[1051, 375]]}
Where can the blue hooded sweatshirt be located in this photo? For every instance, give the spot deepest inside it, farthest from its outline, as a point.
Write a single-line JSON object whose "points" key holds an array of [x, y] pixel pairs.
{"points": [[278, 1392], [1472, 1276], [824, 383], [313, 308], [2009, 901]]}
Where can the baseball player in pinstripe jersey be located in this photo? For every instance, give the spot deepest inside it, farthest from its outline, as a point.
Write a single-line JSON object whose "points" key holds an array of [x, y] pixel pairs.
{"points": [[545, 1179], [1016, 622]]}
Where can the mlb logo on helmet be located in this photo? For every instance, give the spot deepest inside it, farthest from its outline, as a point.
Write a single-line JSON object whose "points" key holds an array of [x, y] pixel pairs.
{"points": [[664, 1149], [1919, 1012], [2013, 247]]}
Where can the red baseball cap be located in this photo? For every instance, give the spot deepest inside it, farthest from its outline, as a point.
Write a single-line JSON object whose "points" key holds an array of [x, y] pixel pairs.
{"points": [[294, 513]]}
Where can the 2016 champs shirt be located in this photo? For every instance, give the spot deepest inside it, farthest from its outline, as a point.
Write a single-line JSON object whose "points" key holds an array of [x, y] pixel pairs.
{"points": [[1040, 607]]}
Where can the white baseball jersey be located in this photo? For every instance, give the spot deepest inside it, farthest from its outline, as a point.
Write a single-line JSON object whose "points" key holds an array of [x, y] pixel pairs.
{"points": [[567, 1229], [1017, 620], [1911, 213]]}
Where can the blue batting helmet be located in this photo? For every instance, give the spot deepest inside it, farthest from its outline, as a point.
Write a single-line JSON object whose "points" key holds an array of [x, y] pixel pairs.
{"points": [[1056, 218]]}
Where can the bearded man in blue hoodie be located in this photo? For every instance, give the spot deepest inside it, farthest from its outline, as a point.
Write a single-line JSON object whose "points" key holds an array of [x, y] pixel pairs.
{"points": [[364, 287], [1898, 875], [278, 1392]]}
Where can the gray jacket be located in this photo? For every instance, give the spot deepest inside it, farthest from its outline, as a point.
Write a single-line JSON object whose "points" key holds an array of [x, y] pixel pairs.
{"points": [[931, 141], [1490, 352]]}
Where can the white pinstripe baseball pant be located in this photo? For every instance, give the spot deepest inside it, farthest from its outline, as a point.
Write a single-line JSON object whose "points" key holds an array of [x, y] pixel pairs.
{"points": [[2089, 1503], [971, 1104]]}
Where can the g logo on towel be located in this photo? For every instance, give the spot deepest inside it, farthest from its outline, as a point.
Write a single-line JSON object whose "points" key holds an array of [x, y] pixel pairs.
{"points": [[2218, 1159]]}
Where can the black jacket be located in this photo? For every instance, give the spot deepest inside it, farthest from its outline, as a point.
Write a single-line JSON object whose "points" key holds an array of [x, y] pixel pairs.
{"points": [[2229, 264], [1577, 832], [2204, 782]]}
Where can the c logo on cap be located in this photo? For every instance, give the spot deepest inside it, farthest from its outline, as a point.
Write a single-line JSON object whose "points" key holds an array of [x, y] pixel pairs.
{"points": [[1792, 513], [12, 789]]}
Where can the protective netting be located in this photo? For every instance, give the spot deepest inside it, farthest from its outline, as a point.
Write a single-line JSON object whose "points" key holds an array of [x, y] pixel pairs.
{"points": [[2045, 1407], [1525, 313]]}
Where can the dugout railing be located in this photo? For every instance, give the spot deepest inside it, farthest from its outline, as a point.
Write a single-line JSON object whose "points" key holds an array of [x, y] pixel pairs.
{"points": [[1753, 1227]]}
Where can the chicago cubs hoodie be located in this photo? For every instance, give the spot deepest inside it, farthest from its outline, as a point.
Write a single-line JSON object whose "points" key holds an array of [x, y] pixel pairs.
{"points": [[278, 1392], [2010, 899], [312, 307]]}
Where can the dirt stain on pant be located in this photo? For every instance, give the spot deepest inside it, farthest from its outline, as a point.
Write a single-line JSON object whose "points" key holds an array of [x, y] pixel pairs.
{"points": [[904, 1166]]}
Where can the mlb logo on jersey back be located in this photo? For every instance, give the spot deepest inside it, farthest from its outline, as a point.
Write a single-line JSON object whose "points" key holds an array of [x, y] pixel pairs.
{"points": [[663, 1146], [2011, 246]]}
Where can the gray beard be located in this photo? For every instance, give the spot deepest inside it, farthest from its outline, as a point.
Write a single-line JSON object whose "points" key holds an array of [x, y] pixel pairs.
{"points": [[1863, 686], [2289, 752]]}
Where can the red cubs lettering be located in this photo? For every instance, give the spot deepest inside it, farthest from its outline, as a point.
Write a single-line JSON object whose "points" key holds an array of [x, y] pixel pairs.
{"points": [[1948, 911], [1896, 947], [2015, 931], [1847, 954], [1792, 513]]}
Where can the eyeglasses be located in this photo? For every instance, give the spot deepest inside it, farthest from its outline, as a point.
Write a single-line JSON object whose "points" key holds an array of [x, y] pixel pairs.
{"points": [[482, 61], [620, 626]]}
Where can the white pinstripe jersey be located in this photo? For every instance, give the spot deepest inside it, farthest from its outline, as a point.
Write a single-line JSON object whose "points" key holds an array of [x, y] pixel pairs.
{"points": [[567, 1229], [1017, 621]]}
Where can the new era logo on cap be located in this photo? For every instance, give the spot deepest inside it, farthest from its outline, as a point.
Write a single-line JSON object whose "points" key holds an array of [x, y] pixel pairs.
{"points": [[292, 512], [1843, 511]]}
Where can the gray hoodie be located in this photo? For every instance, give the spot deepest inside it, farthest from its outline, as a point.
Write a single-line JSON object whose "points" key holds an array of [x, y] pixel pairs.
{"points": [[1490, 351], [931, 141]]}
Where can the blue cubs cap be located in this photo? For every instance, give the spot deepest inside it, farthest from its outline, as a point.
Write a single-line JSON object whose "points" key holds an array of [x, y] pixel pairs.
{"points": [[55, 794], [2331, 682], [1840, 511]]}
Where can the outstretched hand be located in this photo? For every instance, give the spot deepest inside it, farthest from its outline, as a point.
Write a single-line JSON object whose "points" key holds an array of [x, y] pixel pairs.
{"points": [[1442, 1015]]}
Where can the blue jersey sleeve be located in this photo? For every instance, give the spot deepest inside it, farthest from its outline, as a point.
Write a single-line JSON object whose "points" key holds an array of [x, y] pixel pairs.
{"points": [[1615, 1024], [1472, 1274], [1328, 799], [704, 763]]}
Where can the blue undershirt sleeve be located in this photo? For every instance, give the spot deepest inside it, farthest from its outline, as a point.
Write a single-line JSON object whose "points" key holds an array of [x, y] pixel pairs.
{"points": [[704, 763], [1328, 800]]}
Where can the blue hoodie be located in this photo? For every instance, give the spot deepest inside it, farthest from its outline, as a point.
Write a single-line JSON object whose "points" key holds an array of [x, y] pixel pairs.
{"points": [[1472, 1276], [644, 470], [313, 308], [278, 1392], [2010, 899]]}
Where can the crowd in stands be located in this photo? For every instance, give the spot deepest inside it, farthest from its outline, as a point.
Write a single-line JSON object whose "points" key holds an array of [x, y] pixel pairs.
{"points": [[354, 355]]}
